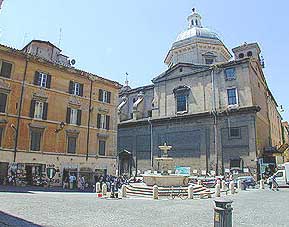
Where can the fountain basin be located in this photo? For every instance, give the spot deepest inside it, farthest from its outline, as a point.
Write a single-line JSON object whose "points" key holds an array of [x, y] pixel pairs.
{"points": [[165, 180]]}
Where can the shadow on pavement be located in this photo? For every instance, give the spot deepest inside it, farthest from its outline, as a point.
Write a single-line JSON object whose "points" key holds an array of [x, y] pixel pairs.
{"points": [[10, 220], [31, 189]]}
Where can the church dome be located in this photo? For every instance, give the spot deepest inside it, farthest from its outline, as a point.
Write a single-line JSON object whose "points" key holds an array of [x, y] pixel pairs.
{"points": [[185, 48], [197, 32], [195, 29]]}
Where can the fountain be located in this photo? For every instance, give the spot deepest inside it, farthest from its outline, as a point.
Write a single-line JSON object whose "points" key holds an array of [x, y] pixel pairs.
{"points": [[165, 179]]}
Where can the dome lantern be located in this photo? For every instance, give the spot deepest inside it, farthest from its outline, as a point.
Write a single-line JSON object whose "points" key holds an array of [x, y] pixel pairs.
{"points": [[197, 45], [194, 20]]}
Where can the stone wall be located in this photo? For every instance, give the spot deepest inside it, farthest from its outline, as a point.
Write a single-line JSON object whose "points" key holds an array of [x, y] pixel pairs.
{"points": [[192, 140]]}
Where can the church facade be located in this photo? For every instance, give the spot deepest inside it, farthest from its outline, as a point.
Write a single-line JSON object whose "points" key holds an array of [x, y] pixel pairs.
{"points": [[213, 107]]}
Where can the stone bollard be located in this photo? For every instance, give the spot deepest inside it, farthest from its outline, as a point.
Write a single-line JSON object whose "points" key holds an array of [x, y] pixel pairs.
{"points": [[97, 187], [190, 192], [239, 185], [123, 191], [104, 190], [155, 192], [217, 190], [199, 182], [262, 184], [232, 187], [224, 187]]}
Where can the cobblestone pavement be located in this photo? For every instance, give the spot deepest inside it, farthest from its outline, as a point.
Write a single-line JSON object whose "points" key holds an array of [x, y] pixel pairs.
{"points": [[251, 208]]}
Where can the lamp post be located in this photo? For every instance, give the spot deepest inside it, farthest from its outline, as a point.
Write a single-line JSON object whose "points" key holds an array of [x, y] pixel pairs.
{"points": [[214, 113], [61, 126], [151, 142]]}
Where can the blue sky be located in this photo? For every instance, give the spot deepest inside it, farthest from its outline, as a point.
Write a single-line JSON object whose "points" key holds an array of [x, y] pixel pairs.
{"points": [[110, 37]]}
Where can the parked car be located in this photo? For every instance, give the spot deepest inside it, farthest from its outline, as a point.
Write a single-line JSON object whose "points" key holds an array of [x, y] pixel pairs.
{"points": [[282, 176]]}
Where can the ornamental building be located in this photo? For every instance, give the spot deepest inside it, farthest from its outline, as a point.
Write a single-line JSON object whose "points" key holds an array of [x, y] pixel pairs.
{"points": [[54, 115], [213, 106]]}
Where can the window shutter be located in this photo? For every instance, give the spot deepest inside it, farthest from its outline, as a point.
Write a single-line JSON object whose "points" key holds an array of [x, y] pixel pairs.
{"points": [[35, 141], [71, 85], [68, 113], [108, 97], [36, 79], [1, 135], [98, 120], [48, 82], [6, 69], [45, 110], [3, 99], [71, 145], [81, 90], [79, 117], [100, 95], [107, 120], [32, 108]]}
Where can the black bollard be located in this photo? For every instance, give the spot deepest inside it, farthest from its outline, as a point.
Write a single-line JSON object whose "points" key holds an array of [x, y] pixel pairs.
{"points": [[223, 213]]}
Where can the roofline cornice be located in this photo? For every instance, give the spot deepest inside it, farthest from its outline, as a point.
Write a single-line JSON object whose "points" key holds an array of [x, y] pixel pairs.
{"points": [[78, 72]]}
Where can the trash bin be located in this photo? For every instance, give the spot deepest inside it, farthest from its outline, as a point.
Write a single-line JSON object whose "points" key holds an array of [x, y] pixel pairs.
{"points": [[223, 213]]}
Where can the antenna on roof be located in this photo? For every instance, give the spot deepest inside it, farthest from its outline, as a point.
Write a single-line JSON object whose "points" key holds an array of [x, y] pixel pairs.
{"points": [[60, 36]]}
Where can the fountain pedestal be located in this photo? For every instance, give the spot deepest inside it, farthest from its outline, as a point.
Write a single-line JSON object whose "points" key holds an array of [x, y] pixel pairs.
{"points": [[165, 179]]}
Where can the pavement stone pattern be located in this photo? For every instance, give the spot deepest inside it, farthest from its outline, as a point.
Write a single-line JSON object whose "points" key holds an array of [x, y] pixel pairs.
{"points": [[43, 208]]}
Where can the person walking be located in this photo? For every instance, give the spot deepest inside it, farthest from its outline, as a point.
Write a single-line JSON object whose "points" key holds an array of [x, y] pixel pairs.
{"points": [[82, 183], [79, 183], [274, 183], [71, 181]]}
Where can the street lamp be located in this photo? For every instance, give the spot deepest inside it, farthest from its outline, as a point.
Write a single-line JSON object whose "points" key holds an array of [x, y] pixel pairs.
{"points": [[61, 126]]}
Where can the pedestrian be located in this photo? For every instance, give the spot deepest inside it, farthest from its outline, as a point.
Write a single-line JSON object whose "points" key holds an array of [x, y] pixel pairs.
{"points": [[71, 181], [79, 183], [82, 183], [274, 183], [270, 182], [65, 182]]}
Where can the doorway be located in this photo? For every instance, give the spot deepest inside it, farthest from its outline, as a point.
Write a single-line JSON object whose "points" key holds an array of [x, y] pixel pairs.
{"points": [[29, 176]]}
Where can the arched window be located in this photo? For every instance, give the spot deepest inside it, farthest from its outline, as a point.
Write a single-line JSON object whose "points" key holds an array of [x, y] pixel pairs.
{"points": [[193, 22], [181, 95], [197, 22], [241, 55], [249, 54]]}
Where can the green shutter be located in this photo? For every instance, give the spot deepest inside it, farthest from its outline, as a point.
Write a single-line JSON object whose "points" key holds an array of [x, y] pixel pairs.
{"points": [[3, 101], [107, 121], [36, 79], [32, 108], [68, 113], [6, 69], [100, 95], [98, 120], [45, 110], [79, 117]]}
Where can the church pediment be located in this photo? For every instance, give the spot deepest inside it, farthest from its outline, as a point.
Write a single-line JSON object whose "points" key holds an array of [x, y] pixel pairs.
{"points": [[179, 70]]}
